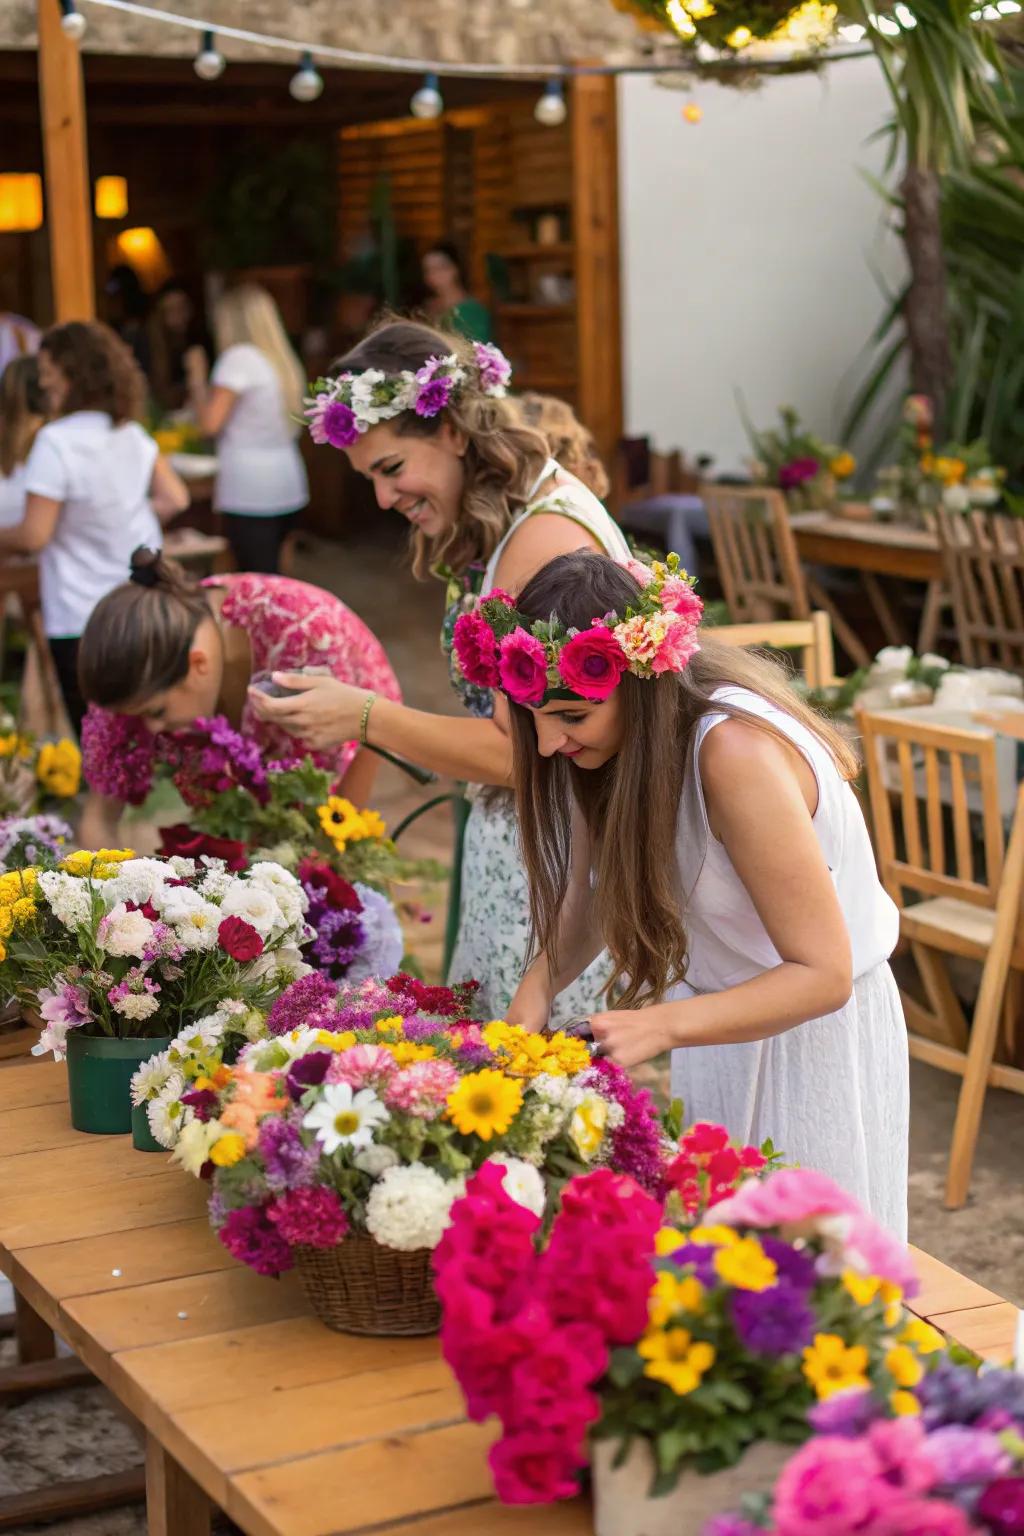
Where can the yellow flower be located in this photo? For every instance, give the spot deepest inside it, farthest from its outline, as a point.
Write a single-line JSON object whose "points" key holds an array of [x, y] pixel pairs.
{"points": [[904, 1404], [100, 865], [336, 1042], [3, 952], [676, 1358], [904, 1366], [16, 885], [6, 922], [714, 1237], [374, 824], [927, 463], [669, 1294], [484, 1104], [587, 1126], [392, 1028], [341, 822], [949, 471], [406, 1052], [59, 768], [925, 1339], [892, 1295], [745, 1265], [14, 745], [863, 1288], [23, 911], [228, 1151], [843, 465], [526, 1055], [831, 1365], [667, 1241]]}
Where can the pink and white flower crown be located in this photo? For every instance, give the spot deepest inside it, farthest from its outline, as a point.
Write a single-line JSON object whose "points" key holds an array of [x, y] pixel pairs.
{"points": [[340, 410], [535, 661]]}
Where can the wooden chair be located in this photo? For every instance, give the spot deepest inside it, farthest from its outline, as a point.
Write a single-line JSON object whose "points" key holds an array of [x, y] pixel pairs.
{"points": [[969, 886], [758, 565], [983, 553], [811, 637]]}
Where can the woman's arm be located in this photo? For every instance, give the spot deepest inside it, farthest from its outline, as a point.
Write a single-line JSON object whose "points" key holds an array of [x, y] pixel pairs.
{"points": [[99, 826], [35, 530], [167, 491], [760, 805], [211, 405]]}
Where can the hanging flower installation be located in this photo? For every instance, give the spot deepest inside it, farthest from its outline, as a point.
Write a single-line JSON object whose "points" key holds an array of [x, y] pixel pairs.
{"points": [[765, 29]]}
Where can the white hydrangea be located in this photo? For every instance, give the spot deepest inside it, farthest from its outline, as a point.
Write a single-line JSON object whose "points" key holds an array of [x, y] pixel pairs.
{"points": [[557, 1091], [153, 1076], [167, 1115], [523, 1183], [192, 1149], [125, 933], [254, 904], [183, 869], [409, 1207], [376, 1160], [137, 880], [68, 899]]}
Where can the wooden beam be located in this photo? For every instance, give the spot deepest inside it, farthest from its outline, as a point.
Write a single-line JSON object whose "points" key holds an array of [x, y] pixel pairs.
{"points": [[595, 175], [68, 200]]}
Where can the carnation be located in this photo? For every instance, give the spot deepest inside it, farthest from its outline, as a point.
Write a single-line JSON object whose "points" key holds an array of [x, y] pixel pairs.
{"points": [[255, 904], [304, 1003], [313, 1217], [409, 1207], [476, 650]]}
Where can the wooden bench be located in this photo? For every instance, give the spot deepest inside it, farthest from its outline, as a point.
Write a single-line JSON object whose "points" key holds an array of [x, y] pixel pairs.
{"points": [[248, 1402]]}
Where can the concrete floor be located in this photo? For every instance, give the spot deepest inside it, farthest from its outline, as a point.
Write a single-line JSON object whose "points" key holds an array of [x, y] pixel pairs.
{"points": [[79, 1433]]}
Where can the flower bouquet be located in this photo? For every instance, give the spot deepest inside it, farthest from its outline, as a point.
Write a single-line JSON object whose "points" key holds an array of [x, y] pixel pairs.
{"points": [[682, 1351], [35, 775], [957, 476], [116, 954], [339, 1143], [956, 1470], [41, 840], [799, 463]]}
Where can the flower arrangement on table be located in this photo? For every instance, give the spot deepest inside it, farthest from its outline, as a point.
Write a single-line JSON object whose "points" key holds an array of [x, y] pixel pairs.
{"points": [[345, 1135], [684, 1340], [957, 476], [956, 1470], [898, 679], [799, 463], [111, 945], [35, 776], [40, 840]]}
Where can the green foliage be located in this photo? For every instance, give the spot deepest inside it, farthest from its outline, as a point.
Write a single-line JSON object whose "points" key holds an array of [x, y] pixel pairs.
{"points": [[271, 207]]}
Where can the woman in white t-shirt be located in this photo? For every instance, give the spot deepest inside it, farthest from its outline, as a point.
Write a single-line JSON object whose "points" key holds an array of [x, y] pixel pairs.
{"points": [[95, 486], [21, 416], [252, 405]]}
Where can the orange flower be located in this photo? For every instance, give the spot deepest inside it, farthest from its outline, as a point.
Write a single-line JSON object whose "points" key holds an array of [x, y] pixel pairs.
{"points": [[263, 1092], [241, 1117]]}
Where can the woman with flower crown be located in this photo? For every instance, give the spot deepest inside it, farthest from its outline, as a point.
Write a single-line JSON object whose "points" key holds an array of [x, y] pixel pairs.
{"points": [[422, 415], [681, 805]]}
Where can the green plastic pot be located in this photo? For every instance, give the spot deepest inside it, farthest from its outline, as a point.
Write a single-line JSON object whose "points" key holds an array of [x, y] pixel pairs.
{"points": [[143, 1139], [100, 1070]]}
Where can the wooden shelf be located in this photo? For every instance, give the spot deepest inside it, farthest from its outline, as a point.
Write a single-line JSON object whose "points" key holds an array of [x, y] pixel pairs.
{"points": [[536, 311], [563, 251]]}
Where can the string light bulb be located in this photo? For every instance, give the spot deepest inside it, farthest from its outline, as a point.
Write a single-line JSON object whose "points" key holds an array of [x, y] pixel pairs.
{"points": [[208, 63], [306, 84], [551, 109], [428, 101], [692, 113], [72, 22]]}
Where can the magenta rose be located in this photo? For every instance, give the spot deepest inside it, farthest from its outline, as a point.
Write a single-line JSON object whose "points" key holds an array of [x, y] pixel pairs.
{"points": [[923, 1517], [523, 667], [240, 940], [476, 650], [797, 472], [591, 663]]}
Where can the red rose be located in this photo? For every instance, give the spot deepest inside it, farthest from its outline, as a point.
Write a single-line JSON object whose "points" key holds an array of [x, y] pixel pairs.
{"points": [[188, 844], [240, 939]]}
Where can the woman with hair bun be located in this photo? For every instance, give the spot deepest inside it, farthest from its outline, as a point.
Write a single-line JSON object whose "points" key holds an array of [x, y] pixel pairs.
{"points": [[422, 415], [161, 651]]}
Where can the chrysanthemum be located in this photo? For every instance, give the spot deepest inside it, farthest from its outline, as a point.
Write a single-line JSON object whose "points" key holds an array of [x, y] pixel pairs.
{"points": [[485, 1104]]}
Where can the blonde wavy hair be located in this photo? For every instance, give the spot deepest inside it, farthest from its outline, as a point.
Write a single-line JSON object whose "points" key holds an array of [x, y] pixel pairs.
{"points": [[567, 438], [247, 315], [503, 457]]}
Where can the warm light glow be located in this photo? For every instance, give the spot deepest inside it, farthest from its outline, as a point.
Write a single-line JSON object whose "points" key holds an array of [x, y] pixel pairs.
{"points": [[680, 18], [739, 37], [142, 250], [111, 200], [692, 113], [21, 202]]}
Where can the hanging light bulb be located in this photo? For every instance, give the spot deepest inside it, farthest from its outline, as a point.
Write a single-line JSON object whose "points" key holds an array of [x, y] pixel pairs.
{"points": [[551, 109], [208, 63], [72, 22], [692, 113], [306, 84], [428, 101]]}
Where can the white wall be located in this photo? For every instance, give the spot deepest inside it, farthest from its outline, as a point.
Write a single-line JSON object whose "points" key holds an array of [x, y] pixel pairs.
{"points": [[751, 243]]}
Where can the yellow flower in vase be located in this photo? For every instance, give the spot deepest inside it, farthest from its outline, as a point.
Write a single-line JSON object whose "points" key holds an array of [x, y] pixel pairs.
{"points": [[676, 1358], [59, 768], [843, 465], [340, 820], [831, 1365], [484, 1104]]}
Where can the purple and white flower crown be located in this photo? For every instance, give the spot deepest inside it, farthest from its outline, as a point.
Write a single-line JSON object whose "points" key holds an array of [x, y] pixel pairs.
{"points": [[535, 661], [340, 410]]}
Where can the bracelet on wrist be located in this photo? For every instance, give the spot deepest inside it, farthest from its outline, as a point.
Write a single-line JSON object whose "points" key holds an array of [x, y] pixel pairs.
{"points": [[364, 719]]}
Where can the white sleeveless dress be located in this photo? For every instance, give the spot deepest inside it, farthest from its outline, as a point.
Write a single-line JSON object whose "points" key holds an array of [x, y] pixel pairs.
{"points": [[494, 927], [834, 1093]]}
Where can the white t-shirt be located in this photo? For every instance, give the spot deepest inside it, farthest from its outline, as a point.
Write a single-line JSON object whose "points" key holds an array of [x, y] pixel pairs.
{"points": [[12, 497], [260, 468], [101, 474]]}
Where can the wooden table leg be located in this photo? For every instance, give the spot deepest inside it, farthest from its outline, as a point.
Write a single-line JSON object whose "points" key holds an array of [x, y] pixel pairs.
{"points": [[35, 1337], [175, 1505], [882, 608]]}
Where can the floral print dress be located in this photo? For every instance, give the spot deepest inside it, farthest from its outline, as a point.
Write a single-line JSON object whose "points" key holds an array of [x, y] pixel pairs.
{"points": [[494, 925], [290, 625]]}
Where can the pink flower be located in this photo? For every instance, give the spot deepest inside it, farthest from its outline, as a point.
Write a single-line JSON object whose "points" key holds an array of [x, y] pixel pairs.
{"points": [[871, 1249], [784, 1198], [313, 1217], [829, 1488], [641, 573], [922, 1517], [523, 667], [797, 472], [677, 596], [592, 662], [423, 1088], [899, 1447], [476, 650], [677, 648], [433, 398], [493, 366], [704, 1138], [531, 1468], [362, 1066]]}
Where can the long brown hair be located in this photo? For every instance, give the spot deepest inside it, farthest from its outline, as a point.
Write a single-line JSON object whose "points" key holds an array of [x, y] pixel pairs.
{"points": [[138, 638], [631, 805], [101, 372], [503, 458], [22, 412]]}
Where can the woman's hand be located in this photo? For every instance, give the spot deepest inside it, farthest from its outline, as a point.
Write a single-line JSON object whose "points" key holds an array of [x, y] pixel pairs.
{"points": [[530, 1008], [196, 366], [632, 1035], [323, 714]]}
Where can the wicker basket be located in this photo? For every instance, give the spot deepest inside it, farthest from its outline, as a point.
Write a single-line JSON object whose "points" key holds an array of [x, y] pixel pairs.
{"points": [[361, 1287]]}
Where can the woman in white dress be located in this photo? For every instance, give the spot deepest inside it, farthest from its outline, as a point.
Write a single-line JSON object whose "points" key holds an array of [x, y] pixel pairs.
{"points": [[688, 811], [252, 405], [421, 415]]}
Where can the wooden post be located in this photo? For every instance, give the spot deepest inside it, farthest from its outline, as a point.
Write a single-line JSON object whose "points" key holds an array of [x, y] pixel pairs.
{"points": [[595, 177], [68, 203]]}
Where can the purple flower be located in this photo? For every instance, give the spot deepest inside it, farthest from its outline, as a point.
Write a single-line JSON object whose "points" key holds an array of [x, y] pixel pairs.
{"points": [[68, 1005], [307, 1072], [962, 1456], [333, 422], [252, 1239], [845, 1413], [493, 366], [794, 1264], [432, 398], [118, 755], [636, 1147], [313, 1218], [957, 1394], [778, 1321], [287, 1161], [301, 1004], [699, 1257], [383, 942], [340, 938], [796, 472]]}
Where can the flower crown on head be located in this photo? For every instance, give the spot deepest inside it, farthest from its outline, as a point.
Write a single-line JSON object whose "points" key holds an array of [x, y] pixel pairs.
{"points": [[535, 661], [340, 410]]}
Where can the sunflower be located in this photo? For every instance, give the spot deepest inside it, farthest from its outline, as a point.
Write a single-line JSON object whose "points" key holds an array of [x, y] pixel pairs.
{"points": [[484, 1104]]}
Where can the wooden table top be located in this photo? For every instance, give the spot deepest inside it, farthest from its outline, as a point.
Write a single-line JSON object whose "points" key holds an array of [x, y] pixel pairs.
{"points": [[888, 549], [291, 1429]]}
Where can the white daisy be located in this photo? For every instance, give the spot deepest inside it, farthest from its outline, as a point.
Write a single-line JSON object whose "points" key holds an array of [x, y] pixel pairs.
{"points": [[345, 1119], [153, 1076], [167, 1115], [198, 1038]]}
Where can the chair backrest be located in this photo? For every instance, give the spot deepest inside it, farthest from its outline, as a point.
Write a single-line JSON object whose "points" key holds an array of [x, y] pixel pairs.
{"points": [[811, 637], [755, 553], [983, 553], [951, 775]]}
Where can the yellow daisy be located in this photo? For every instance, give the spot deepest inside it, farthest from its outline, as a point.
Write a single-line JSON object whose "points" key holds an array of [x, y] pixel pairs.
{"points": [[670, 1295], [676, 1358], [484, 1104], [925, 1339], [831, 1365], [903, 1404], [745, 1265], [341, 821]]}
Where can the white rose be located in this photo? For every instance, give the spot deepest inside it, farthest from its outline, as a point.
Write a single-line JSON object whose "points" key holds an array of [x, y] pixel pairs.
{"points": [[522, 1183]]}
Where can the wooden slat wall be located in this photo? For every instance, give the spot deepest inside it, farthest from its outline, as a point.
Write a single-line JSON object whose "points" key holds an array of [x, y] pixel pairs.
{"points": [[412, 154]]}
